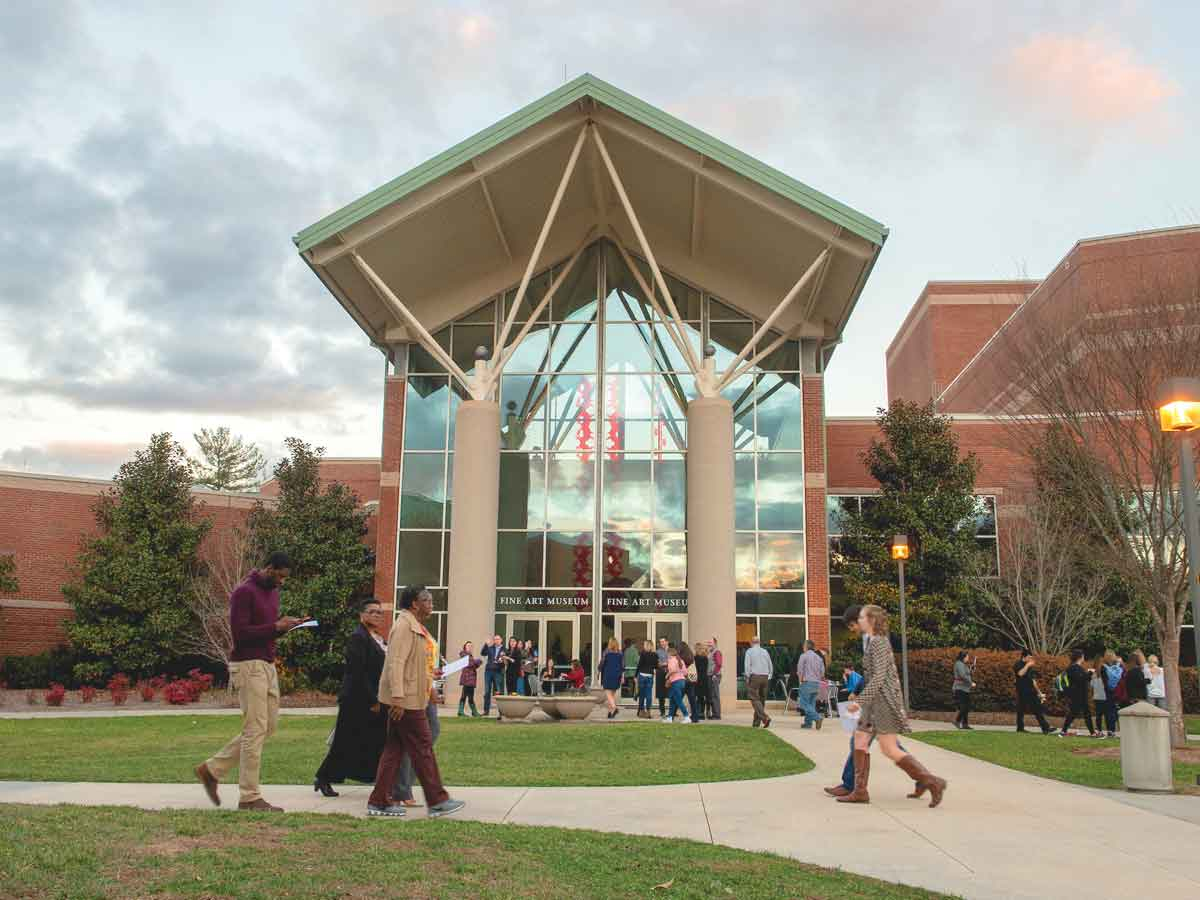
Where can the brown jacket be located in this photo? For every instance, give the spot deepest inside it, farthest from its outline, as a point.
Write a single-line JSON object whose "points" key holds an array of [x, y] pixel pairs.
{"points": [[405, 678]]}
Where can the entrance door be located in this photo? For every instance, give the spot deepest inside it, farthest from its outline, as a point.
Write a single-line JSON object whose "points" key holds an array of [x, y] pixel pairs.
{"points": [[557, 636], [673, 628], [636, 629]]}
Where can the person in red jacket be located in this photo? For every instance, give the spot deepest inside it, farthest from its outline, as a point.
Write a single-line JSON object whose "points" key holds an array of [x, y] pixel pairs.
{"points": [[468, 678], [576, 676]]}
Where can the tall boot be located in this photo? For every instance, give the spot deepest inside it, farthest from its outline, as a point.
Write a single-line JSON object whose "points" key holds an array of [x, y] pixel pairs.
{"points": [[924, 779], [462, 704], [862, 773]]}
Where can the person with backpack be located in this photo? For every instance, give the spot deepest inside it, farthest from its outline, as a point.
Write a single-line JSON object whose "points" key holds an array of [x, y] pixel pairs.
{"points": [[1029, 696], [1114, 673], [1074, 689]]}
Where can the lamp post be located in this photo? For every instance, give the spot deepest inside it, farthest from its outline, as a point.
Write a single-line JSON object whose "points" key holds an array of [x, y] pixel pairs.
{"points": [[900, 554], [1179, 412]]}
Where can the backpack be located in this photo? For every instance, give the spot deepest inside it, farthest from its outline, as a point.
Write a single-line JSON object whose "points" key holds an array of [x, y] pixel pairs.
{"points": [[1121, 691], [1062, 684], [1112, 676], [692, 675]]}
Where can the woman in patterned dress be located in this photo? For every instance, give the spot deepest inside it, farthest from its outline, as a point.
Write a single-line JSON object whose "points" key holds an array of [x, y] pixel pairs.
{"points": [[882, 715]]}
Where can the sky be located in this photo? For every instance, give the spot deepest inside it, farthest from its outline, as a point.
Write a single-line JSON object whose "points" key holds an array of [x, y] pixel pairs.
{"points": [[157, 158]]}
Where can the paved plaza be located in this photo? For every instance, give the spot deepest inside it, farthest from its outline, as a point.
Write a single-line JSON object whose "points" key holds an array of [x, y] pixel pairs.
{"points": [[998, 834]]}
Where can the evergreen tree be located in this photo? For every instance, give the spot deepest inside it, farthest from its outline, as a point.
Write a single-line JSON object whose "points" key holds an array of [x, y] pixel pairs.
{"points": [[320, 527], [130, 598], [230, 463], [926, 492], [8, 578]]}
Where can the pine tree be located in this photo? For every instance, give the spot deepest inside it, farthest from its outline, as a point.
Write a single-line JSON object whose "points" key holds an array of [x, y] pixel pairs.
{"points": [[130, 598], [230, 463]]}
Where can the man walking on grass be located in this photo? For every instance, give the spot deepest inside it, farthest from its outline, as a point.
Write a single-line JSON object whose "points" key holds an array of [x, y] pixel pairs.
{"points": [[255, 623], [759, 669]]}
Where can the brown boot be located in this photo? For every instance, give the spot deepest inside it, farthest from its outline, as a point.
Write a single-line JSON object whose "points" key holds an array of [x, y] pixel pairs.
{"points": [[839, 791], [209, 780], [259, 805], [862, 774], [924, 779]]}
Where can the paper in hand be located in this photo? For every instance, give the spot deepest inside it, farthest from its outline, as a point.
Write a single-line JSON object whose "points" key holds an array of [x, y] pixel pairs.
{"points": [[311, 623], [457, 666], [848, 719]]}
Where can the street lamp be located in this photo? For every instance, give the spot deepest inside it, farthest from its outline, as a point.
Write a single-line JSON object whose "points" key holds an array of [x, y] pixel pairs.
{"points": [[1179, 412], [900, 554]]}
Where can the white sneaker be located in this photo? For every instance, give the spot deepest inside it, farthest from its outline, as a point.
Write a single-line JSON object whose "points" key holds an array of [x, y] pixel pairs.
{"points": [[667, 720], [686, 721]]}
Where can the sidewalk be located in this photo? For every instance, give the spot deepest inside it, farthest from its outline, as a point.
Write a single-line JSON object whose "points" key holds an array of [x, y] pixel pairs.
{"points": [[998, 834]]}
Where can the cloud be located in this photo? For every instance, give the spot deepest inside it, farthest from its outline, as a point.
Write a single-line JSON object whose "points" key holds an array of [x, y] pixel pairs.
{"points": [[94, 459]]}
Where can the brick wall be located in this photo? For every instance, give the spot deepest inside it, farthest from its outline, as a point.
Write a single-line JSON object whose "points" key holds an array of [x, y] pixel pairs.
{"points": [[361, 474], [389, 490], [816, 579]]}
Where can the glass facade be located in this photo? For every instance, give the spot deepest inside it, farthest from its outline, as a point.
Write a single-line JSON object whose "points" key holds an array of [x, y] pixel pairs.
{"points": [[593, 491]]}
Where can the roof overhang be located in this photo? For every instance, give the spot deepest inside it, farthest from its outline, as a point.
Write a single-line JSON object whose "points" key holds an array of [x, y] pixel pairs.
{"points": [[460, 228]]}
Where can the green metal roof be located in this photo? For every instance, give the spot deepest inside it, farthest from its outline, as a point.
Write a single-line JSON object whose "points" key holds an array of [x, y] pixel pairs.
{"points": [[587, 85]]}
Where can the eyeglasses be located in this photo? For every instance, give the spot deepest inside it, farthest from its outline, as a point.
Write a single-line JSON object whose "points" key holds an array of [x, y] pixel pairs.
{"points": [[374, 612]]}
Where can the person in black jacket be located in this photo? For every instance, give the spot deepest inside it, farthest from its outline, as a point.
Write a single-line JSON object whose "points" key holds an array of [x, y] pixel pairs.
{"points": [[361, 726], [1136, 682], [1079, 680]]}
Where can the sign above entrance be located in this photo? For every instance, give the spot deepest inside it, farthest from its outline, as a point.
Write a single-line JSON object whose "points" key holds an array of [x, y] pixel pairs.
{"points": [[543, 601], [645, 601]]}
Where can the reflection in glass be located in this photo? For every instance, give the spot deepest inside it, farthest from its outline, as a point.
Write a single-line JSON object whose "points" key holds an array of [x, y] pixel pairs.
{"points": [[576, 299], [838, 508], [571, 493], [449, 489], [670, 560], [574, 348], [671, 395], [729, 338], [519, 559], [670, 493], [627, 493], [458, 394], [783, 635], [522, 490], [779, 413], [780, 561], [425, 412], [422, 490], [538, 286], [627, 348], [628, 412], [719, 312], [560, 642], [777, 602], [626, 561], [420, 359], [569, 559], [533, 353], [740, 393], [745, 561], [522, 412], [572, 416], [418, 557], [484, 315], [780, 492], [785, 358], [465, 339], [667, 356], [743, 490], [985, 516]]}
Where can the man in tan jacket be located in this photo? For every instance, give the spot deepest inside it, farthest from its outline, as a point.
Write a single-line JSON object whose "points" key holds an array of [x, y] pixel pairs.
{"points": [[406, 688]]}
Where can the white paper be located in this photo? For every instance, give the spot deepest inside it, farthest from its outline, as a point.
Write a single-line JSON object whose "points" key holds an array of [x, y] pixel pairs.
{"points": [[848, 719], [457, 666], [311, 623]]}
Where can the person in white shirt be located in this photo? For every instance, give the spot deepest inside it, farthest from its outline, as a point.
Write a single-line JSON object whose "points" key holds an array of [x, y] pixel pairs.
{"points": [[758, 669], [1156, 686]]}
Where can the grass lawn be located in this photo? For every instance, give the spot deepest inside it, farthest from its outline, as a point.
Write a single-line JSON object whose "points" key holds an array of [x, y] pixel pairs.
{"points": [[1193, 724], [470, 752], [65, 851], [1049, 756]]}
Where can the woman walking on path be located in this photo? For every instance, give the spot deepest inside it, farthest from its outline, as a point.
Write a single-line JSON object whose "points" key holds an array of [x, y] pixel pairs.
{"points": [[676, 679], [882, 715], [612, 672], [701, 663], [1156, 690], [963, 682], [688, 658], [647, 668], [467, 680]]}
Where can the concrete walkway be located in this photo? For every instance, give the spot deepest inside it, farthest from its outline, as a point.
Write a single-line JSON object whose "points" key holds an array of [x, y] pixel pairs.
{"points": [[998, 834]]}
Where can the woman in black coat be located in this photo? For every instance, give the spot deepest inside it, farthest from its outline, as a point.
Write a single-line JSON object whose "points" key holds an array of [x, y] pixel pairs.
{"points": [[361, 728]]}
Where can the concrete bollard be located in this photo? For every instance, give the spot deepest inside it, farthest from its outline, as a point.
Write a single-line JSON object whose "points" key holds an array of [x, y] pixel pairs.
{"points": [[1146, 748]]}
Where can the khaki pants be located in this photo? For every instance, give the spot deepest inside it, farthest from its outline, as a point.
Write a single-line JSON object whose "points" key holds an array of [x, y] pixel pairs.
{"points": [[257, 685], [756, 690]]}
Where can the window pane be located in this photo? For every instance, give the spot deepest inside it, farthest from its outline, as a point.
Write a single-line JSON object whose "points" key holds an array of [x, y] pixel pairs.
{"points": [[485, 315], [745, 561], [522, 490], [837, 557], [670, 560], [743, 491], [569, 559], [784, 640], [519, 559], [785, 359], [418, 559], [627, 348], [576, 299], [740, 393], [425, 411], [571, 493], [627, 493], [985, 516], [780, 492], [671, 393], [523, 412], [667, 356], [533, 353], [574, 348], [628, 412], [729, 338], [449, 489], [779, 424], [466, 338], [458, 394], [422, 490], [538, 286], [573, 425], [718, 311], [777, 602], [421, 360], [625, 300], [837, 508], [626, 561], [670, 493], [780, 561]]}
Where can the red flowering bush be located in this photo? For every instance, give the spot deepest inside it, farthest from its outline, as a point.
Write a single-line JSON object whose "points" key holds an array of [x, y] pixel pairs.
{"points": [[147, 690], [158, 682], [202, 680], [178, 693], [118, 687], [56, 694], [87, 693]]}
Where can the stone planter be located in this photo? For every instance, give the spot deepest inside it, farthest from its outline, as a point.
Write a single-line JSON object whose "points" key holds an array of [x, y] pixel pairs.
{"points": [[514, 706], [549, 705], [575, 707]]}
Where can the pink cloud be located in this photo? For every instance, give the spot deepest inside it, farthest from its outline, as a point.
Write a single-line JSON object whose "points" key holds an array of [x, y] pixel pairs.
{"points": [[1090, 81]]}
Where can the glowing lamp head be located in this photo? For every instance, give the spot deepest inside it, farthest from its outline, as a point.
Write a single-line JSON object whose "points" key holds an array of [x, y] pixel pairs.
{"points": [[900, 546], [1179, 404]]}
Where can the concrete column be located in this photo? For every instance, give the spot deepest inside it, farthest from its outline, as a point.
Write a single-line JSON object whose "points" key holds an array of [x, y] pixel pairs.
{"points": [[476, 497], [712, 601]]}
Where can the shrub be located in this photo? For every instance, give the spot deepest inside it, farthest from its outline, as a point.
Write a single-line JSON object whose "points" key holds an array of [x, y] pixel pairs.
{"points": [[87, 693], [118, 687], [147, 691], [177, 693], [158, 682], [56, 694], [41, 669], [202, 680]]}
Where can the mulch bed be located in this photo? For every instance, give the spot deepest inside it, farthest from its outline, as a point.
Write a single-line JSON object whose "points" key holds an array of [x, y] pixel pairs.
{"points": [[18, 701]]}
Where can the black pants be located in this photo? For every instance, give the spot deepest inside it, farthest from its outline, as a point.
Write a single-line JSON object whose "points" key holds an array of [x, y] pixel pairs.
{"points": [[1079, 708], [690, 690], [467, 697], [660, 688], [1031, 705], [1110, 714], [962, 699]]}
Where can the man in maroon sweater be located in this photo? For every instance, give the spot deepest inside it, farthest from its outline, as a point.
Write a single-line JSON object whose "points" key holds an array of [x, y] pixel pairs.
{"points": [[255, 622]]}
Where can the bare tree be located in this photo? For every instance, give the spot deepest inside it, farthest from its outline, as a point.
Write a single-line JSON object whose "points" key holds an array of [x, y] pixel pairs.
{"points": [[1045, 597], [227, 556], [1083, 362]]}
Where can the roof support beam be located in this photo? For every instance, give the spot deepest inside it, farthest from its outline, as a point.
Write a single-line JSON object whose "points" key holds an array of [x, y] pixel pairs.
{"points": [[695, 245], [487, 196]]}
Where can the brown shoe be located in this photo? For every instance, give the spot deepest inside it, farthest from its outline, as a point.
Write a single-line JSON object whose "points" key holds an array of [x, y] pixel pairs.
{"points": [[839, 791], [819, 721], [259, 805], [924, 780], [209, 780], [862, 774]]}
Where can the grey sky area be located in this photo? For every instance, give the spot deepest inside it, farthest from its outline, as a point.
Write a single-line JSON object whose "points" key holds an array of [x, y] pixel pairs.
{"points": [[155, 160]]}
